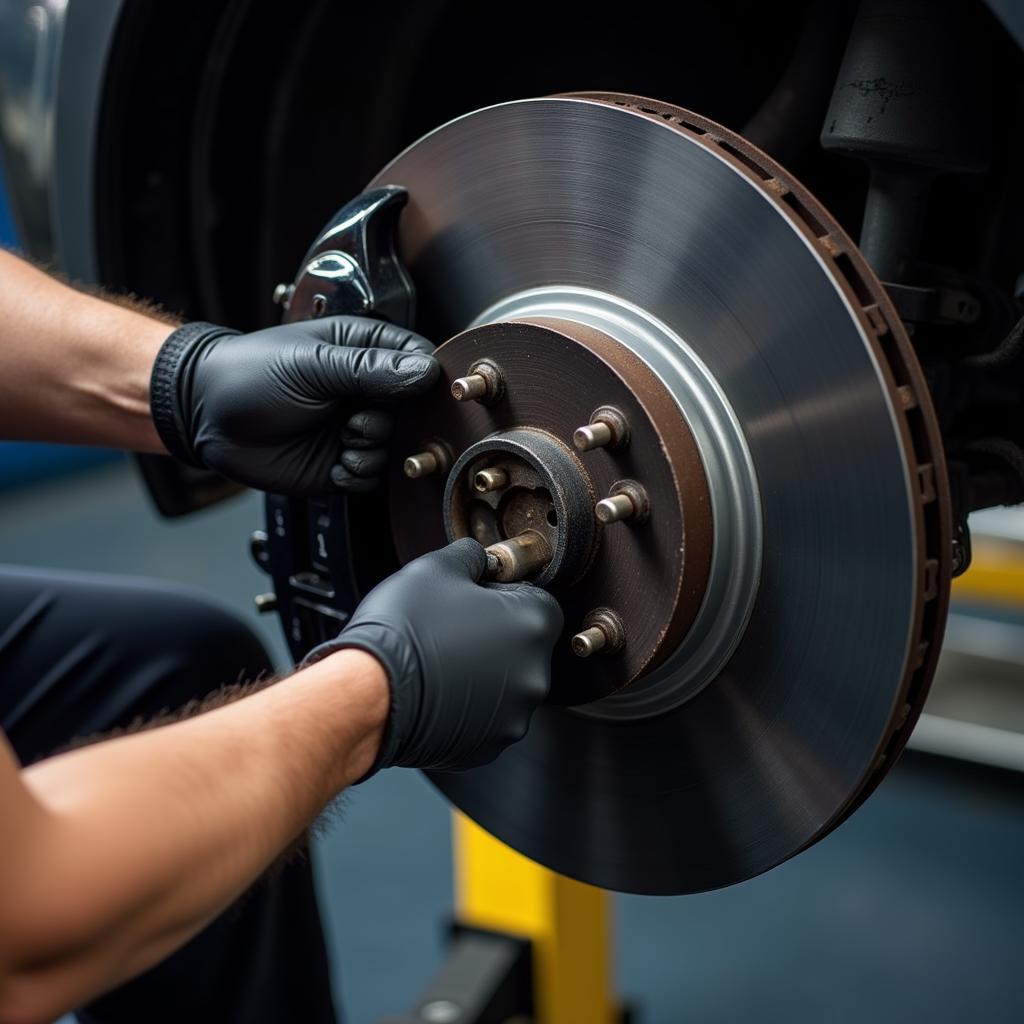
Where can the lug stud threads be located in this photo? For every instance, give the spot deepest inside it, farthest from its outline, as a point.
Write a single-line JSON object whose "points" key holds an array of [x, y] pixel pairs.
{"points": [[433, 459], [607, 429], [627, 502], [518, 557], [490, 480], [602, 633], [483, 384]]}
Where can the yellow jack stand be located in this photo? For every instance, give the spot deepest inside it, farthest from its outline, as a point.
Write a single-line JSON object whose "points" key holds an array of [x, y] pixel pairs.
{"points": [[568, 924], [996, 575]]}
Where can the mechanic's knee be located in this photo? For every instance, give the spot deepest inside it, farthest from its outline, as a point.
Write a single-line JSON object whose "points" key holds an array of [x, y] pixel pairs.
{"points": [[208, 641], [170, 644]]}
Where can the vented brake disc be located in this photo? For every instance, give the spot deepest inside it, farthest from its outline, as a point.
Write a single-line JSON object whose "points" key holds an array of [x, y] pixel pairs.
{"points": [[778, 652]]}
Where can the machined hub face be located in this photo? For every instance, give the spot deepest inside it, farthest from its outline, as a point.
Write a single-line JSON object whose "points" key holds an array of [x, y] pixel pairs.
{"points": [[774, 703], [517, 470]]}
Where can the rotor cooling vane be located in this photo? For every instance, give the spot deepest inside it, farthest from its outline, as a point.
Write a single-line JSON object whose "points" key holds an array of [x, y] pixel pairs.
{"points": [[675, 395]]}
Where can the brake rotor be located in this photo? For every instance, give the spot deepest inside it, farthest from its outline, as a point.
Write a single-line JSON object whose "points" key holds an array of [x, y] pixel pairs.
{"points": [[770, 707]]}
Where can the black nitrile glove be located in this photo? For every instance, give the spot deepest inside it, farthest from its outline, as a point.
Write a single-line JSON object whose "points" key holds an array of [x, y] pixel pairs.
{"points": [[285, 409], [467, 663]]}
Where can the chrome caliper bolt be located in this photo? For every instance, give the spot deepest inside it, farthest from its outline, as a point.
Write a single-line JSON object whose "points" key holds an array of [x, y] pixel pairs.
{"points": [[484, 383], [602, 632], [607, 429], [627, 502]]}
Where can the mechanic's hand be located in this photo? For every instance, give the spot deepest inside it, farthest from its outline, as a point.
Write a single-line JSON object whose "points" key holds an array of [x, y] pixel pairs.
{"points": [[467, 663], [291, 409]]}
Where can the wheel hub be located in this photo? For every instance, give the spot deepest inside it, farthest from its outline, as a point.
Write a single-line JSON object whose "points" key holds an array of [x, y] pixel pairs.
{"points": [[521, 468]]}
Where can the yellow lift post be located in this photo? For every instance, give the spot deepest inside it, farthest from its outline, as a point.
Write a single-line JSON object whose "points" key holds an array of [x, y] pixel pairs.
{"points": [[996, 573], [567, 922]]}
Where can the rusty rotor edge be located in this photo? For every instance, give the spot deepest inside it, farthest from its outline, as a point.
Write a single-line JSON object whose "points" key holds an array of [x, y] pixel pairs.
{"points": [[908, 392]]}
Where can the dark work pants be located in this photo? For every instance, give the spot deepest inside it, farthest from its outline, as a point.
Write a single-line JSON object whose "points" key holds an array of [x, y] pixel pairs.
{"points": [[81, 654]]}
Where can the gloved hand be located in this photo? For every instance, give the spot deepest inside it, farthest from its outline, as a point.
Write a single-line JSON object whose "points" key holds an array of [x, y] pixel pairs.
{"points": [[467, 663], [286, 409]]}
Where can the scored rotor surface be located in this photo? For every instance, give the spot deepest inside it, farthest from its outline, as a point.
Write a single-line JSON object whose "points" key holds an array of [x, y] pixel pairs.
{"points": [[689, 223]]}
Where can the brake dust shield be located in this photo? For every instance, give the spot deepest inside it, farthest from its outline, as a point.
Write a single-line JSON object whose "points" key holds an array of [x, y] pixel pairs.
{"points": [[800, 676]]}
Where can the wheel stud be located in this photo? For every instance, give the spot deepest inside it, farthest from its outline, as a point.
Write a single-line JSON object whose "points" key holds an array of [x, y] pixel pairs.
{"points": [[470, 388], [483, 384], [435, 458], [627, 502], [423, 464], [602, 632], [589, 642], [493, 479], [607, 429], [615, 510], [518, 557]]}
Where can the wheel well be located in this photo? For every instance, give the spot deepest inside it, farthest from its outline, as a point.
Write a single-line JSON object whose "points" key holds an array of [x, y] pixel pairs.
{"points": [[231, 131]]}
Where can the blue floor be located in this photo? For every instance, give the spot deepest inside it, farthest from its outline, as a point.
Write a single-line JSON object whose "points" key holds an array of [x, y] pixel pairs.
{"points": [[912, 911]]}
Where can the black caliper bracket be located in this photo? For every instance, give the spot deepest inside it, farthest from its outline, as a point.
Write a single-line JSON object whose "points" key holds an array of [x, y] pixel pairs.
{"points": [[318, 573]]}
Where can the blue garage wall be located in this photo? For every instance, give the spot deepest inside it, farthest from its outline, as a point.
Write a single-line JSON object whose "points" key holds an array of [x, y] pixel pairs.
{"points": [[6, 223], [21, 462]]}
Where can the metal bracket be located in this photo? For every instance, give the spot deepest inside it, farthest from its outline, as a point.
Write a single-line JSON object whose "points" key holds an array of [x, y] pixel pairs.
{"points": [[487, 978], [319, 574], [940, 305], [353, 267]]}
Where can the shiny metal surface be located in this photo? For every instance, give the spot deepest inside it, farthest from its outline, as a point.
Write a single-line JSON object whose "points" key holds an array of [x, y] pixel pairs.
{"points": [[579, 197]]}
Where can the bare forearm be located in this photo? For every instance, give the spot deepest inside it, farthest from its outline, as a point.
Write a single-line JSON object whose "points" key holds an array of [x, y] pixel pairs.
{"points": [[145, 839], [73, 368]]}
